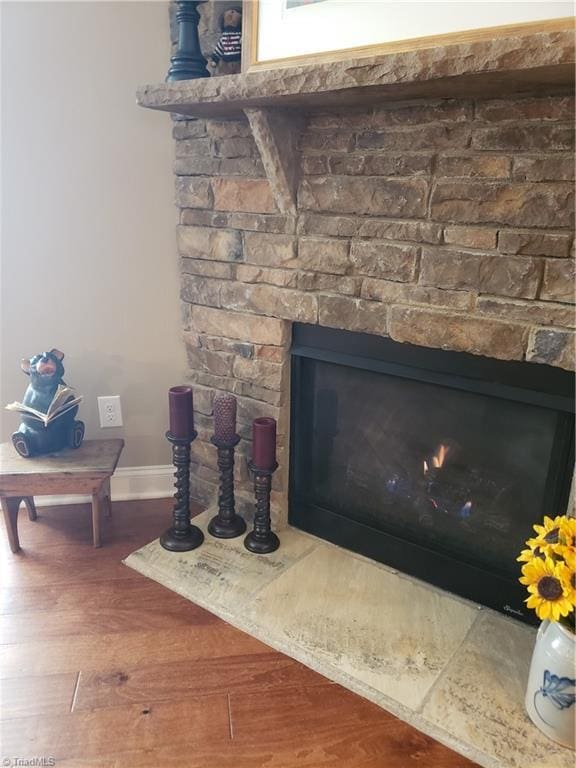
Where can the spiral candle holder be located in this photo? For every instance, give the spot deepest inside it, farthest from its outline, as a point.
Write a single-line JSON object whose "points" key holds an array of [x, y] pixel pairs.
{"points": [[226, 524], [182, 536], [262, 540]]}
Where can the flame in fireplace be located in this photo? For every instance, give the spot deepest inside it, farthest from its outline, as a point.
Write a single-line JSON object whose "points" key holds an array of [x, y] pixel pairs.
{"points": [[439, 492], [438, 458], [466, 509]]}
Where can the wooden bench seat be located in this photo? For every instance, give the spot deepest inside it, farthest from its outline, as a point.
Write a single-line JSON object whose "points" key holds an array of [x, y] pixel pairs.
{"points": [[84, 470]]}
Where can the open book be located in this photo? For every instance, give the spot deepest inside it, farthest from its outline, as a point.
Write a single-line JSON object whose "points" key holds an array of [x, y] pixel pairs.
{"points": [[64, 399]]}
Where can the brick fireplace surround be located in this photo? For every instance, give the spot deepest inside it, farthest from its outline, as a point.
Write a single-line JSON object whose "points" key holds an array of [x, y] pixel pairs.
{"points": [[442, 223]]}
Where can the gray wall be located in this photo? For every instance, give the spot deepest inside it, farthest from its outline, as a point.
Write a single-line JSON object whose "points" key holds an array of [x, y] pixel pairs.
{"points": [[88, 260]]}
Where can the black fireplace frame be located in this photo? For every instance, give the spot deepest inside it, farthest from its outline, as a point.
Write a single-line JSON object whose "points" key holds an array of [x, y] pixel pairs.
{"points": [[531, 383]]}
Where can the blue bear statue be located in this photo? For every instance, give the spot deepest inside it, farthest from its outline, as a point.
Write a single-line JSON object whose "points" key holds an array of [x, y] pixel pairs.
{"points": [[33, 438]]}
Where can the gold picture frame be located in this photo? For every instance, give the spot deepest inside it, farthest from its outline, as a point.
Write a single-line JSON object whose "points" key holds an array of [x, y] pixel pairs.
{"points": [[251, 30]]}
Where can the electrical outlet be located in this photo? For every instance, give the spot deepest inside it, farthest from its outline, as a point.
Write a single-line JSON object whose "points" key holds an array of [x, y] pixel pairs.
{"points": [[110, 411]]}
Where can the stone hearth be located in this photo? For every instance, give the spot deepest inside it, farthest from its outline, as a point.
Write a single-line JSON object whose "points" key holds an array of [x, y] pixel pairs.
{"points": [[454, 671]]}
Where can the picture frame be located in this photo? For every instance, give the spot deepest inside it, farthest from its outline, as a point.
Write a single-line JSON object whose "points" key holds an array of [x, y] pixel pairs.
{"points": [[271, 24]]}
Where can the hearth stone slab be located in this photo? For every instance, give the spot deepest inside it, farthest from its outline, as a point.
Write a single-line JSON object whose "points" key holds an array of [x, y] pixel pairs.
{"points": [[480, 696], [221, 572], [436, 661], [389, 632]]}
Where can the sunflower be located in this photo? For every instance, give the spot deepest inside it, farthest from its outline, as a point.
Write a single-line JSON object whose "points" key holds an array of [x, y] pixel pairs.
{"points": [[548, 595], [568, 535], [548, 538], [529, 554], [567, 573]]}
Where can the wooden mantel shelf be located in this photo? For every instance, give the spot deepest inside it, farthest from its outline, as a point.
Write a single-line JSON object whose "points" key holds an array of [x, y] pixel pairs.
{"points": [[492, 67]]}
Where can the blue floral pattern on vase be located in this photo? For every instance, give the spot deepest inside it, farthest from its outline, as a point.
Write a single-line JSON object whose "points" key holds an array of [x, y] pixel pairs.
{"points": [[554, 688], [550, 695]]}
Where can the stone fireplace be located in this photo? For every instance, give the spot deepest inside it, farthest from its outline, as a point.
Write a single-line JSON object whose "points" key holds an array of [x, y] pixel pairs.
{"points": [[420, 203], [425, 198], [439, 223]]}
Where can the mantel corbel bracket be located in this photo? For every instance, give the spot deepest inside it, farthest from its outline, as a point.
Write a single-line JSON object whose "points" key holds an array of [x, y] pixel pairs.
{"points": [[277, 133]]}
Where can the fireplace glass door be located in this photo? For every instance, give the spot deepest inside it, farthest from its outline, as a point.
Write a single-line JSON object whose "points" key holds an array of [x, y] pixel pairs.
{"points": [[434, 466]]}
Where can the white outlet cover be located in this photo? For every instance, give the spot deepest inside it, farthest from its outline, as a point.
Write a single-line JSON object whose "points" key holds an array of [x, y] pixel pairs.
{"points": [[110, 411]]}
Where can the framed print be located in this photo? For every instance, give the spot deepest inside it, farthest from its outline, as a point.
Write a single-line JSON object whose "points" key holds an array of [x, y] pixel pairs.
{"points": [[280, 33]]}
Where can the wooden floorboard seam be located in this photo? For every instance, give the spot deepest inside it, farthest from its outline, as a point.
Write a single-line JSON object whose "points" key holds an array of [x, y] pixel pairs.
{"points": [[75, 692]]}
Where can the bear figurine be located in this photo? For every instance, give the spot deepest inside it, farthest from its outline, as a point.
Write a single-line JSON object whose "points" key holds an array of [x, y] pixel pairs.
{"points": [[33, 438], [226, 57]]}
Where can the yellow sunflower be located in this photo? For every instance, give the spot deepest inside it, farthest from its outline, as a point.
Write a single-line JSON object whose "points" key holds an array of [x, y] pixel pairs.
{"points": [[567, 572], [548, 538], [529, 554], [548, 595], [568, 534]]}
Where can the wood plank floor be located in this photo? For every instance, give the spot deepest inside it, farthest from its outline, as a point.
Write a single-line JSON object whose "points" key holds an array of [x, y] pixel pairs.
{"points": [[102, 668]]}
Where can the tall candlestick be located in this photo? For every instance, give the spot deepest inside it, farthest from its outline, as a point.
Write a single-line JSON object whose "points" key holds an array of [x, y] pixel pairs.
{"points": [[262, 540], [182, 536], [226, 524], [181, 405], [264, 443]]}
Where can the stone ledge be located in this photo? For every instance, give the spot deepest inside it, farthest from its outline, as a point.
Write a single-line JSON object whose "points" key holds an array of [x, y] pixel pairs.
{"points": [[273, 101], [520, 62]]}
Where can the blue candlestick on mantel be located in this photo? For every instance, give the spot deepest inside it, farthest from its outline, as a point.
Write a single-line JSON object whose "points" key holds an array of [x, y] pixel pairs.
{"points": [[188, 62]]}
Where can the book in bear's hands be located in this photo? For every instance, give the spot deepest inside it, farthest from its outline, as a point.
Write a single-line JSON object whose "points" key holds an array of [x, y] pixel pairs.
{"points": [[64, 399]]}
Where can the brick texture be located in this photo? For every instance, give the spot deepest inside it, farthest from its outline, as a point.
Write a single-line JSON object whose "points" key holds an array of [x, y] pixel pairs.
{"points": [[460, 332], [441, 223]]}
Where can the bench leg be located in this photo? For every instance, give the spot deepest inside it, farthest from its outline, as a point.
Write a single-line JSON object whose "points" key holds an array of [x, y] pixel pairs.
{"points": [[31, 507], [10, 507], [107, 497], [97, 504]]}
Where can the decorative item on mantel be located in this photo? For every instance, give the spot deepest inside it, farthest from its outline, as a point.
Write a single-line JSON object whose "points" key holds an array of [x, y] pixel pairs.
{"points": [[188, 62], [182, 536], [549, 572], [48, 408], [226, 56], [262, 540], [226, 524]]}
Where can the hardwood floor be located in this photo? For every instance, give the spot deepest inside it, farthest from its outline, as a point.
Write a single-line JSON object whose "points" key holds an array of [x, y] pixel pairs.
{"points": [[102, 668]]}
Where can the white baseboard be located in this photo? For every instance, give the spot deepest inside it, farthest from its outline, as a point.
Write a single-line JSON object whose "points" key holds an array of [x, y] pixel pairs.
{"points": [[156, 482]]}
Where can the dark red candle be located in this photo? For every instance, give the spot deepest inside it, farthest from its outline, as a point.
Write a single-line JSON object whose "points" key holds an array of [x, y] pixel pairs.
{"points": [[181, 411], [225, 418], [264, 442]]}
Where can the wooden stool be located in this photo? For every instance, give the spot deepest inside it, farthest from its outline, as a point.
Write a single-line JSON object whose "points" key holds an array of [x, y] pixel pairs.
{"points": [[83, 470]]}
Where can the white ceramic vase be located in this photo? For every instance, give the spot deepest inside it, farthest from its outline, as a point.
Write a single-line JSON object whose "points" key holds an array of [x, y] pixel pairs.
{"points": [[551, 691]]}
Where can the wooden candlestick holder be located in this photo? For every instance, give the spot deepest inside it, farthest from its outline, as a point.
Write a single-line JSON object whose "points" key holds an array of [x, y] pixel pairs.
{"points": [[226, 524], [188, 61], [182, 536], [262, 540]]}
